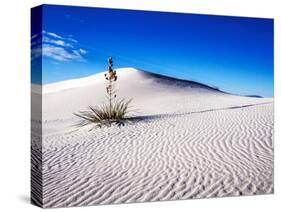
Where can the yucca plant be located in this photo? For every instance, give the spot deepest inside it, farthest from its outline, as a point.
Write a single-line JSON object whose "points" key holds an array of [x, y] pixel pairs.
{"points": [[113, 112], [105, 114]]}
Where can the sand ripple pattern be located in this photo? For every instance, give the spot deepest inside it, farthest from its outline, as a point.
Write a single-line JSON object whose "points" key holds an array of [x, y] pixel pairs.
{"points": [[178, 156]]}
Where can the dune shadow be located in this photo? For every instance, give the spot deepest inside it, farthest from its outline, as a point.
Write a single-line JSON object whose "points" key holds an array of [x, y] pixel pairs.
{"points": [[148, 118]]}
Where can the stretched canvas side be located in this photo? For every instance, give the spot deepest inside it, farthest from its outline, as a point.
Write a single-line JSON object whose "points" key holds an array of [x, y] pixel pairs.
{"points": [[36, 107]]}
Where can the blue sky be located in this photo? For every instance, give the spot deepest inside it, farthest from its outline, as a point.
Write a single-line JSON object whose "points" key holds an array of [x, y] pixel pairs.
{"points": [[232, 53]]}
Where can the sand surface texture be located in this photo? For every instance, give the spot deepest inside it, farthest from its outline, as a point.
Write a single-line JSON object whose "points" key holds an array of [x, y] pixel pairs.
{"points": [[191, 141]]}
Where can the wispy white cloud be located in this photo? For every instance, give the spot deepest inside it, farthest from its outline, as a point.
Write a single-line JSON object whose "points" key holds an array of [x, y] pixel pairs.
{"points": [[52, 34], [56, 47], [72, 40], [36, 52], [59, 53], [56, 52], [82, 51], [57, 42], [34, 36]]}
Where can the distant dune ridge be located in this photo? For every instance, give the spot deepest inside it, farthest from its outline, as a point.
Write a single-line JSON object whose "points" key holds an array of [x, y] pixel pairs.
{"points": [[190, 141]]}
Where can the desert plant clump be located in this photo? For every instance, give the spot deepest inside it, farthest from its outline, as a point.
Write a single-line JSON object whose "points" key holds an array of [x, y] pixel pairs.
{"points": [[114, 111]]}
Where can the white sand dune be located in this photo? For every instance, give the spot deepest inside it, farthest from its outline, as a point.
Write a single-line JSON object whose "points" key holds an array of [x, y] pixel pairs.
{"points": [[191, 141]]}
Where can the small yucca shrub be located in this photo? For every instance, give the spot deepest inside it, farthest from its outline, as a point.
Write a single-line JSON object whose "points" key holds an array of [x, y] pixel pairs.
{"points": [[105, 114], [113, 112]]}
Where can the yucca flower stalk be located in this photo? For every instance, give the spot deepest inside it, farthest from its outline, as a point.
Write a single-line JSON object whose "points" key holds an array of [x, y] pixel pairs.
{"points": [[113, 112], [111, 77]]}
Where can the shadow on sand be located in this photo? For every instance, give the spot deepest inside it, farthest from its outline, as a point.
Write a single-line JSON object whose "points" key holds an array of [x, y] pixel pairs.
{"points": [[163, 116]]}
